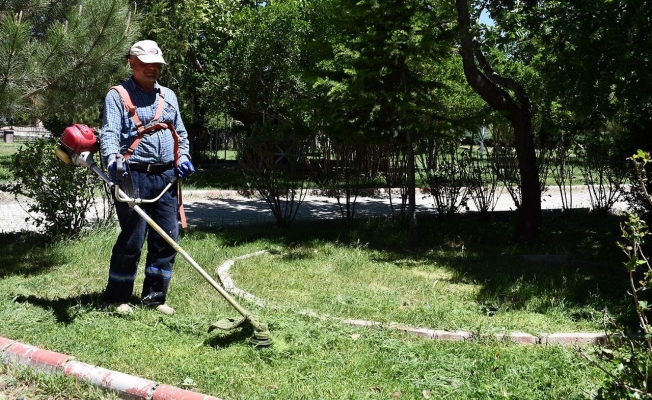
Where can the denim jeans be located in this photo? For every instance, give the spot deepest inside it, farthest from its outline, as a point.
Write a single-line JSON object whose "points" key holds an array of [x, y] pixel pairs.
{"points": [[134, 231]]}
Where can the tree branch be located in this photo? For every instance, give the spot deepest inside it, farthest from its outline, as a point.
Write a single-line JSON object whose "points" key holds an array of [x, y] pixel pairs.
{"points": [[490, 92], [502, 81]]}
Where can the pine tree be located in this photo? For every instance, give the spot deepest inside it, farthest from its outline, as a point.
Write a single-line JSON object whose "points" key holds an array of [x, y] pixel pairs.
{"points": [[58, 58]]}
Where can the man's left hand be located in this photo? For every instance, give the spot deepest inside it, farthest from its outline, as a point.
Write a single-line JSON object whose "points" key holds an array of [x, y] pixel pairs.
{"points": [[185, 169]]}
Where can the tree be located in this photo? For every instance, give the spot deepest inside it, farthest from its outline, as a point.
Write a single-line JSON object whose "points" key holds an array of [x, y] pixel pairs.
{"points": [[256, 74], [597, 69], [259, 83], [593, 59], [508, 97], [57, 59], [381, 64]]}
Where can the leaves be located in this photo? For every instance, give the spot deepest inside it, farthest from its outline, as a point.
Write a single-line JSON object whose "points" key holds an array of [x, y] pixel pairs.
{"points": [[60, 58], [60, 194], [381, 72]]}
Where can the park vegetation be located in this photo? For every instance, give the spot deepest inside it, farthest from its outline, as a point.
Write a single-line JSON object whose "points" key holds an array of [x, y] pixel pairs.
{"points": [[462, 100]]}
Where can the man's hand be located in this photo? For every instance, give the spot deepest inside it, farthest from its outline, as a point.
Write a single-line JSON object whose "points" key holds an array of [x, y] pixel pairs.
{"points": [[113, 170], [185, 169]]}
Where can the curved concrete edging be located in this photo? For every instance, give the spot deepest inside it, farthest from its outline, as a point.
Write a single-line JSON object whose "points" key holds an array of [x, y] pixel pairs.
{"points": [[127, 386], [570, 338], [133, 387]]}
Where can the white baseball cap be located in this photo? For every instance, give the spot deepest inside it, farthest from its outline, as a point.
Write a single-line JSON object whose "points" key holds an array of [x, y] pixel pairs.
{"points": [[148, 52]]}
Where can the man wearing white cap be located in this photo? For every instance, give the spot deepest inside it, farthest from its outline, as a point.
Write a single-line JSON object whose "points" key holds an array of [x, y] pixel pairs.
{"points": [[144, 142]]}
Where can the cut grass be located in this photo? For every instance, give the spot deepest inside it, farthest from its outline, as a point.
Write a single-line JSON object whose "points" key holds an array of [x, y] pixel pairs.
{"points": [[24, 383], [465, 274]]}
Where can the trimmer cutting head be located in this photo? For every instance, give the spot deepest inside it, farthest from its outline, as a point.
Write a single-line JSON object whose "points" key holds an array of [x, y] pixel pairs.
{"points": [[261, 337]]}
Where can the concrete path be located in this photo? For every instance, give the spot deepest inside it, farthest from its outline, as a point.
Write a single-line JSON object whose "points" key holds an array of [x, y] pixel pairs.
{"points": [[229, 208]]}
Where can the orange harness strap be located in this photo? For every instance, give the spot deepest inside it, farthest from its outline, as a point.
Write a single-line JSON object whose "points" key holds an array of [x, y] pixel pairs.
{"points": [[154, 125], [142, 130]]}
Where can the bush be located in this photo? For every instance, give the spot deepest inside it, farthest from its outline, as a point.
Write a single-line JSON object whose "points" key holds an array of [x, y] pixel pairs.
{"points": [[273, 164], [61, 194]]}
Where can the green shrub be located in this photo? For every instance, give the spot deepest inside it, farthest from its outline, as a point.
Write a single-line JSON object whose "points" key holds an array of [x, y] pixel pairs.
{"points": [[59, 196]]}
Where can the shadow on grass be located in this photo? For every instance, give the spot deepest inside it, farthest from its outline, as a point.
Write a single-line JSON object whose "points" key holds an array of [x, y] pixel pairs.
{"points": [[65, 310], [26, 253], [224, 339], [590, 277], [470, 249]]}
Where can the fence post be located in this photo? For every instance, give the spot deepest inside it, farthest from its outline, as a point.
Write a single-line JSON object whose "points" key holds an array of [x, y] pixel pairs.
{"points": [[9, 136]]}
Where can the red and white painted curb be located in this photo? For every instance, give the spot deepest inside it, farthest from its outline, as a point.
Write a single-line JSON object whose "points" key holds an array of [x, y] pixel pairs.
{"points": [[128, 386]]}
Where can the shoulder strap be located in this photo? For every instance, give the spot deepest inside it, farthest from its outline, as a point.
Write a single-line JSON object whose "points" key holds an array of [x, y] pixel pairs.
{"points": [[154, 125], [161, 103], [129, 105]]}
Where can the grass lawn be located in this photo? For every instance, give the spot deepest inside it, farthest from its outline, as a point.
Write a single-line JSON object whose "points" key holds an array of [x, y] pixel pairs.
{"points": [[464, 275], [6, 151]]}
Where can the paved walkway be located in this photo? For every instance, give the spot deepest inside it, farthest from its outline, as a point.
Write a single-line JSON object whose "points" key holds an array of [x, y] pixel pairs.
{"points": [[229, 208]]}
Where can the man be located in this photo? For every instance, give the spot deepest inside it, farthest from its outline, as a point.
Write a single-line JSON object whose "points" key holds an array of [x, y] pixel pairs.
{"points": [[145, 145]]}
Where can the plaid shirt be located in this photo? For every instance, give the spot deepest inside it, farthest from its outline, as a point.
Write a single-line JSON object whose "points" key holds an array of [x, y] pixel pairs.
{"points": [[119, 130]]}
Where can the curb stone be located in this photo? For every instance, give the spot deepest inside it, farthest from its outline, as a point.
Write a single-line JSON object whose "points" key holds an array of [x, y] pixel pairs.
{"points": [[562, 339], [127, 386]]}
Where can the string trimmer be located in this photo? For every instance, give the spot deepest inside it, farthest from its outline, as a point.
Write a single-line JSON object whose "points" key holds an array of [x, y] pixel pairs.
{"points": [[77, 146]]}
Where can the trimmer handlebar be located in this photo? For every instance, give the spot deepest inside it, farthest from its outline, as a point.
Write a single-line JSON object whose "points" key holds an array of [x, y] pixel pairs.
{"points": [[88, 162]]}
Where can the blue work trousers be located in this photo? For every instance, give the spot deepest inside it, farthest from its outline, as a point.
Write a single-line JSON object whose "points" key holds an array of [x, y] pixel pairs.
{"points": [[134, 230]]}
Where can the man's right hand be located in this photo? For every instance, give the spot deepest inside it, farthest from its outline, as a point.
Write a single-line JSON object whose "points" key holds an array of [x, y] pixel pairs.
{"points": [[113, 171]]}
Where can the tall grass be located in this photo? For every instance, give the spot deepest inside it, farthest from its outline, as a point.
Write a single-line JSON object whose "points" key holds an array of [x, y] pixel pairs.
{"points": [[465, 275]]}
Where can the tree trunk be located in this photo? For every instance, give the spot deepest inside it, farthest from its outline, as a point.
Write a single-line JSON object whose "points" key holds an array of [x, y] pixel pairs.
{"points": [[411, 172], [492, 88], [528, 224], [411, 183]]}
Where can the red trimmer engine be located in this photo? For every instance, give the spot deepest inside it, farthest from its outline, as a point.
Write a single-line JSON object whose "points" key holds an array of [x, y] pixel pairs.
{"points": [[76, 143]]}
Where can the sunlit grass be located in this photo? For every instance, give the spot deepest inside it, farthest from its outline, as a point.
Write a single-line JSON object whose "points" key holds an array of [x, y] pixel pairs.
{"points": [[6, 151], [464, 275]]}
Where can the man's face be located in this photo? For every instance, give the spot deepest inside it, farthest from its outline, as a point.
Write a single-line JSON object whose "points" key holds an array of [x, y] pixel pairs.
{"points": [[144, 74]]}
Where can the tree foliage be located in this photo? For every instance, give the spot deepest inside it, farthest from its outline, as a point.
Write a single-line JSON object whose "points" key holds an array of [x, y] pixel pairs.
{"points": [[257, 73], [592, 65], [59, 58], [382, 66]]}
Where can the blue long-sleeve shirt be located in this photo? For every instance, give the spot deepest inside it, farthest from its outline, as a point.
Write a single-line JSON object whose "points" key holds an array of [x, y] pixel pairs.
{"points": [[119, 130]]}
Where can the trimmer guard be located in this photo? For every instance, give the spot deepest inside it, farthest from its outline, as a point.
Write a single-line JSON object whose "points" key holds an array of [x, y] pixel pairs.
{"points": [[227, 324]]}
